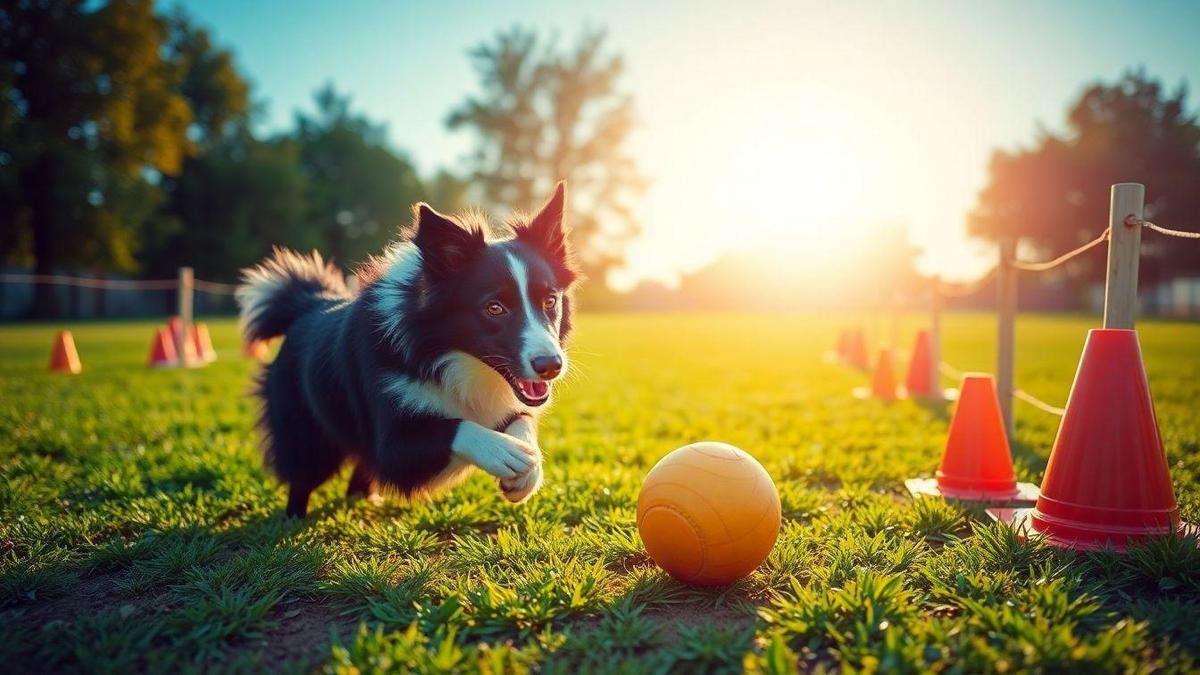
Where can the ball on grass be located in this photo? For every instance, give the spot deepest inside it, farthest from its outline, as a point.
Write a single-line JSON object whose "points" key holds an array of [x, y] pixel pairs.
{"points": [[708, 514]]}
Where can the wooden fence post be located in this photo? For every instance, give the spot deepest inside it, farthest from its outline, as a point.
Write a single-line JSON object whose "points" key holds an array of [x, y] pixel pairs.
{"points": [[186, 284], [1124, 245], [1006, 314]]}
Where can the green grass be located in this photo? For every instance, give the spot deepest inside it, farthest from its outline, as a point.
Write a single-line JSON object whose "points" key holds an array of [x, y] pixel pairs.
{"points": [[139, 531]]}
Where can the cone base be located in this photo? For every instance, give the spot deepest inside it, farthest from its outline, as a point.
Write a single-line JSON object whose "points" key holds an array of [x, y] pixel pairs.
{"points": [[1026, 493], [1022, 521]]}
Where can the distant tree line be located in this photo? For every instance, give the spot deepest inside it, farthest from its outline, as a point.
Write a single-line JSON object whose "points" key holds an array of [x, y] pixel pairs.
{"points": [[127, 144]]}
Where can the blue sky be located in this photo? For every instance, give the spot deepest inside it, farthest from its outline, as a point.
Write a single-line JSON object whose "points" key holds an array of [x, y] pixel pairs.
{"points": [[822, 122]]}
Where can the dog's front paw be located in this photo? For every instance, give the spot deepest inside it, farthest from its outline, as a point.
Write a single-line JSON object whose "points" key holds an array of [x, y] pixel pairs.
{"points": [[522, 487], [499, 454]]}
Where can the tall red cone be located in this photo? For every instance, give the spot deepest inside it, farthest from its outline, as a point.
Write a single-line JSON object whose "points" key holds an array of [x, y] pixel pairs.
{"points": [[63, 357], [162, 350], [202, 343], [1107, 482], [977, 463], [919, 381], [883, 380]]}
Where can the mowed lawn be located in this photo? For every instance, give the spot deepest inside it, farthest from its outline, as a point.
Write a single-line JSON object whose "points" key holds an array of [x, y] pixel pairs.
{"points": [[138, 530]]}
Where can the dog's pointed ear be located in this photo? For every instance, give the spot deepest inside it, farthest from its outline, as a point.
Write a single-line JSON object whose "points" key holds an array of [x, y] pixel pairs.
{"points": [[446, 247], [546, 231]]}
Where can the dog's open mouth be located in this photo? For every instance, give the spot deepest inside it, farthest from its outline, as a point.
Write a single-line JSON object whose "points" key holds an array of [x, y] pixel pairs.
{"points": [[532, 392], [529, 392]]}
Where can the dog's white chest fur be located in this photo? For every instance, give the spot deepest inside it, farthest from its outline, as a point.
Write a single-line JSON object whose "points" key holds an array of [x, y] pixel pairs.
{"points": [[469, 390]]}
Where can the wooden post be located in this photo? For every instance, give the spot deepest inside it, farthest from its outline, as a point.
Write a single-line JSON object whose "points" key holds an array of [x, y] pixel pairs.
{"points": [[1124, 245], [935, 339], [1006, 308], [186, 284]]}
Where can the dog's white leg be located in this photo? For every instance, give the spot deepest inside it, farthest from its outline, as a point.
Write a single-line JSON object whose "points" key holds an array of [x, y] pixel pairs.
{"points": [[522, 487], [499, 454]]}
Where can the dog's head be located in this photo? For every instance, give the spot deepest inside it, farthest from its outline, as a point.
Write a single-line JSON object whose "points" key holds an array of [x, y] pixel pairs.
{"points": [[505, 302]]}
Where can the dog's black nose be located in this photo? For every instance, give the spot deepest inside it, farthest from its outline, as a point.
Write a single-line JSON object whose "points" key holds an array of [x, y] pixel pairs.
{"points": [[546, 367]]}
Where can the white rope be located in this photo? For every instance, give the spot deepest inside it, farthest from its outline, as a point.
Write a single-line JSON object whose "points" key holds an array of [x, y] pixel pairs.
{"points": [[1051, 264], [1182, 234], [116, 284], [1038, 403]]}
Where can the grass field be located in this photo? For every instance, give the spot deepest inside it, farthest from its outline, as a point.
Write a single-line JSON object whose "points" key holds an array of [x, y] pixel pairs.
{"points": [[139, 531]]}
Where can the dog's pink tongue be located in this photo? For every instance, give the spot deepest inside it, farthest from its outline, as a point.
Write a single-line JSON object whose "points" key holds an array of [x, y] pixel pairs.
{"points": [[533, 389]]}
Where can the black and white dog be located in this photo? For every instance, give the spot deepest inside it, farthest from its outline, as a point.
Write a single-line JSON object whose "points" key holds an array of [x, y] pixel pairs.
{"points": [[442, 361]]}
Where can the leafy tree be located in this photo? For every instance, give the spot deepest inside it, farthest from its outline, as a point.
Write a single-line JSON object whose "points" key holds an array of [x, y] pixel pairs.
{"points": [[359, 190], [91, 111], [544, 114], [236, 196], [1055, 195]]}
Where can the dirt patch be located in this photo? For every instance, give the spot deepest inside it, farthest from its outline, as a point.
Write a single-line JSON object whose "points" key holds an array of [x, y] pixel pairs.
{"points": [[302, 634]]}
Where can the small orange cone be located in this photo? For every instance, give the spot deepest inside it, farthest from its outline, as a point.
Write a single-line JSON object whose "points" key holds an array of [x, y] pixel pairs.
{"points": [[184, 347], [162, 351], [1107, 483], [883, 381], [63, 357], [857, 350], [202, 342], [977, 463], [919, 381], [258, 350]]}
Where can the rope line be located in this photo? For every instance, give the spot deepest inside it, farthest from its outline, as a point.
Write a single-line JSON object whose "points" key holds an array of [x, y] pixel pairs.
{"points": [[1051, 264], [116, 284], [955, 374], [214, 287], [1038, 403], [1182, 234]]}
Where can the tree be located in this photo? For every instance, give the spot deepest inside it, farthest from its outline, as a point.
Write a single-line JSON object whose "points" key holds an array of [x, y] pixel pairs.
{"points": [[1055, 195], [237, 195], [91, 112], [359, 190], [543, 115]]}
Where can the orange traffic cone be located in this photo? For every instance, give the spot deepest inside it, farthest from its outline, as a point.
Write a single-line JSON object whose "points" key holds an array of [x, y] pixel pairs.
{"points": [[202, 342], [976, 464], [919, 381], [162, 351], [1107, 483], [258, 350], [184, 347], [857, 348], [63, 357], [883, 379]]}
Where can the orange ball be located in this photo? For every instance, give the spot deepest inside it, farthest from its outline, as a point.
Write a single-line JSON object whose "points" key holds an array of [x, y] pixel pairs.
{"points": [[708, 514]]}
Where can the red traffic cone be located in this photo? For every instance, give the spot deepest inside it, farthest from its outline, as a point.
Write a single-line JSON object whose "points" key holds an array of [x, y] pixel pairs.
{"points": [[202, 342], [63, 357], [919, 381], [977, 463], [1107, 483], [162, 351]]}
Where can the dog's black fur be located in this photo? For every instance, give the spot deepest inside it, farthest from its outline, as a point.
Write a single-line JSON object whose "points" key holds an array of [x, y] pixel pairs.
{"points": [[393, 378]]}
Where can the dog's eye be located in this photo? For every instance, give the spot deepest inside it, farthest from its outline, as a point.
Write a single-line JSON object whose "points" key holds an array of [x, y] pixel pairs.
{"points": [[494, 308], [550, 302]]}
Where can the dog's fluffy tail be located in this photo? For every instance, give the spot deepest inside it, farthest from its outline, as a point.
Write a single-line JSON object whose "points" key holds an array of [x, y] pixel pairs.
{"points": [[283, 288]]}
